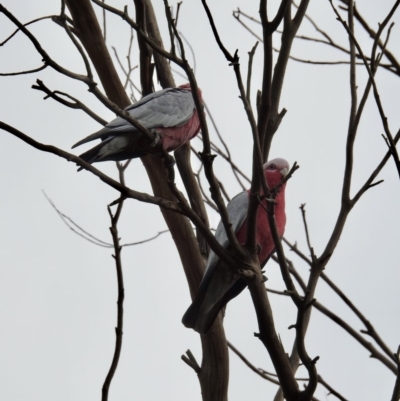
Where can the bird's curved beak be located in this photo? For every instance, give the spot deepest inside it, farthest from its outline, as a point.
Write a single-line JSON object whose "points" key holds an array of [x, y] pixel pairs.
{"points": [[284, 171]]}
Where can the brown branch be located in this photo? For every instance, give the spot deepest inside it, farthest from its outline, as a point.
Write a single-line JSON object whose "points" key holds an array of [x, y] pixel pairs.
{"points": [[162, 66], [146, 52], [127, 192], [152, 43], [171, 22], [339, 321], [128, 72], [396, 390], [264, 107], [104, 25], [75, 104], [204, 194], [249, 70], [264, 314], [295, 249], [366, 344], [275, 116], [214, 371], [369, 182], [70, 223], [227, 154], [273, 25], [270, 339], [265, 375], [352, 128], [370, 329], [371, 75], [226, 53], [227, 157], [143, 241], [10, 74], [190, 360], [121, 294], [310, 248], [206, 155], [347, 203], [373, 35], [236, 15], [26, 24], [331, 389], [190, 48], [182, 156], [265, 321], [272, 291], [85, 79]]}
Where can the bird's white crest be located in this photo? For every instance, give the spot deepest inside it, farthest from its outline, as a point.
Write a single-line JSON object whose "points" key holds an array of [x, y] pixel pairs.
{"points": [[284, 171]]}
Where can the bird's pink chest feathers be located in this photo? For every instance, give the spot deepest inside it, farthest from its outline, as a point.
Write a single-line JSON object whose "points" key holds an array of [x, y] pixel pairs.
{"points": [[174, 137], [263, 233]]}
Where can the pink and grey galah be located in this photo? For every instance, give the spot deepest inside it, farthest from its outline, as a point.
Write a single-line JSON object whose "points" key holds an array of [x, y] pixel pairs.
{"points": [[170, 113], [222, 282]]}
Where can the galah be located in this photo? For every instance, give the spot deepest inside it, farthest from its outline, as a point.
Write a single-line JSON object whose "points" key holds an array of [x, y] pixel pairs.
{"points": [[170, 113], [222, 282]]}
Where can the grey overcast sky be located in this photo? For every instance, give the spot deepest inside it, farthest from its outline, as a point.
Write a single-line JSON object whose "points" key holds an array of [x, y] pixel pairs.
{"points": [[58, 292]]}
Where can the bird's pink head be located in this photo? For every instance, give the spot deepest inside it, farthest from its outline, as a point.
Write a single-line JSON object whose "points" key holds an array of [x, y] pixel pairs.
{"points": [[187, 87], [275, 171]]}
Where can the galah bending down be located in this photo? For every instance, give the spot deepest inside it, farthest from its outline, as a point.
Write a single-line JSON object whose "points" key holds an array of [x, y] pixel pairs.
{"points": [[170, 113], [221, 282]]}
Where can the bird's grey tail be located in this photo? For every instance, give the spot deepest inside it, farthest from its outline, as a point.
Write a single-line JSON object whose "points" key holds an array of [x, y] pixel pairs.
{"points": [[91, 156], [200, 315], [102, 134], [198, 321]]}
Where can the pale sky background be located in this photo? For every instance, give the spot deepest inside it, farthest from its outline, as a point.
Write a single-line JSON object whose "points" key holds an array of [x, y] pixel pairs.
{"points": [[58, 292]]}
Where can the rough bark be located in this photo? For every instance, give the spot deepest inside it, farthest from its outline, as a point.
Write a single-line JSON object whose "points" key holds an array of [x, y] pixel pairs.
{"points": [[214, 372]]}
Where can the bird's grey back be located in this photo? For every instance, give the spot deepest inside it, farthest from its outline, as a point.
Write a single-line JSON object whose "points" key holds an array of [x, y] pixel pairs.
{"points": [[171, 107], [167, 108], [237, 211]]}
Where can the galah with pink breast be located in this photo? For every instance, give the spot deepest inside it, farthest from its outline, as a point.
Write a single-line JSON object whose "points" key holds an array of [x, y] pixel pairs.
{"points": [[170, 113], [222, 282]]}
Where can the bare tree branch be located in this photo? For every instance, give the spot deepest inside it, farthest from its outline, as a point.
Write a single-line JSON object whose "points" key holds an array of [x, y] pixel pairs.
{"points": [[10, 74], [371, 75], [75, 104], [121, 293], [396, 390], [26, 24]]}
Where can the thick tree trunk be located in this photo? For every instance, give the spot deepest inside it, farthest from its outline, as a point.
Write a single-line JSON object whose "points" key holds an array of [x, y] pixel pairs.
{"points": [[214, 372]]}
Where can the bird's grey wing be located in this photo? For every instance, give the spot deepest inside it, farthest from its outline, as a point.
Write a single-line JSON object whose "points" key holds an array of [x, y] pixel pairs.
{"points": [[171, 107], [220, 283], [237, 212]]}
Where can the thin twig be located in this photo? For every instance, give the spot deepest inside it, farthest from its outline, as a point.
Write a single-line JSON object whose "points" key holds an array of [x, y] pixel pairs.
{"points": [[396, 390], [10, 74], [357, 336], [75, 104], [249, 70], [26, 24], [271, 377], [310, 248], [371, 75], [190, 360], [121, 292]]}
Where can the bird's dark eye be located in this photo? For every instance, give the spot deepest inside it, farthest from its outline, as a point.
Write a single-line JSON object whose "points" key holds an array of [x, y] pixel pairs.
{"points": [[271, 167]]}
